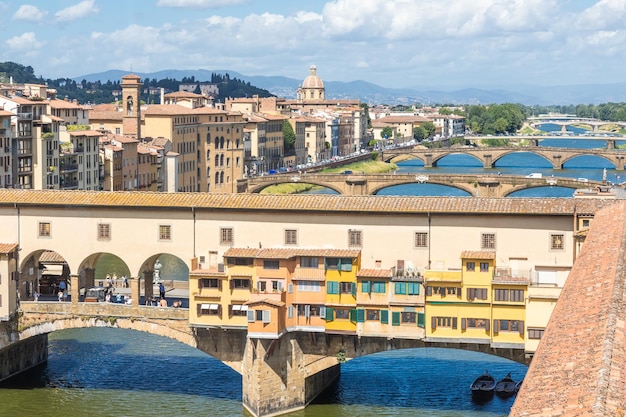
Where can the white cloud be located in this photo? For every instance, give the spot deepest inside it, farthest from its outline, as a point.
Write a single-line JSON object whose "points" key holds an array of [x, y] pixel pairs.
{"points": [[204, 4], [227, 21], [605, 14], [78, 11], [29, 13], [26, 40]]}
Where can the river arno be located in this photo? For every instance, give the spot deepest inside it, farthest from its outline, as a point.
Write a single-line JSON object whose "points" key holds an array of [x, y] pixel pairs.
{"points": [[114, 372]]}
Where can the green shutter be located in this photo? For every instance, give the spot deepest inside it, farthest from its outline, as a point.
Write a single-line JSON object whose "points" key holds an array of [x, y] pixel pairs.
{"points": [[332, 287], [395, 318], [360, 315], [366, 287], [353, 315], [384, 316], [421, 319], [353, 289], [330, 314]]}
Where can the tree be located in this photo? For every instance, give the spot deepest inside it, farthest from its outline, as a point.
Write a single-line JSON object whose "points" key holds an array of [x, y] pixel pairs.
{"points": [[429, 127], [444, 111], [387, 132], [419, 133], [289, 137]]}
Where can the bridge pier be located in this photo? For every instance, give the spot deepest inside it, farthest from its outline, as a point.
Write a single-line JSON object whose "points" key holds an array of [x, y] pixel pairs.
{"points": [[279, 377], [428, 160], [23, 355], [487, 161], [564, 128], [610, 143], [533, 142], [556, 162]]}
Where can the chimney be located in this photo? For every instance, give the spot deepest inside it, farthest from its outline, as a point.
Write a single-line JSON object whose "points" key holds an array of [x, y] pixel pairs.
{"points": [[162, 95]]}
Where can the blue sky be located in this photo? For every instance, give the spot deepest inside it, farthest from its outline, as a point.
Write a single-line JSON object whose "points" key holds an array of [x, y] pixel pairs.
{"points": [[423, 44]]}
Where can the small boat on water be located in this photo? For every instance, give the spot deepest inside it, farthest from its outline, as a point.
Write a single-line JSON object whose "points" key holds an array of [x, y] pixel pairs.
{"points": [[506, 386], [483, 387]]}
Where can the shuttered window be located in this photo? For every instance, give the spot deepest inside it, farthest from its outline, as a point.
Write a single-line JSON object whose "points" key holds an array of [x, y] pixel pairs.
{"points": [[384, 316]]}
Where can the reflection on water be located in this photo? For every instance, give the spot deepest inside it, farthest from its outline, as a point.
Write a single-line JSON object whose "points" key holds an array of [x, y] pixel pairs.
{"points": [[116, 372]]}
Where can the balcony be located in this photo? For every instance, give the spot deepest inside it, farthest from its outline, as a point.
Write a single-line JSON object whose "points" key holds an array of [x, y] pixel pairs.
{"points": [[69, 185], [68, 167], [503, 273], [25, 116]]}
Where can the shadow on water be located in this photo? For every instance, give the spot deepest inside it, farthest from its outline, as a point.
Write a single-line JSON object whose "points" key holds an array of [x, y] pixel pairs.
{"points": [[422, 379], [120, 359]]}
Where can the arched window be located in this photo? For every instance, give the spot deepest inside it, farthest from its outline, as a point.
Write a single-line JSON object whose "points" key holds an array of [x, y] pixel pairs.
{"points": [[217, 143], [129, 105], [222, 142], [222, 160], [237, 142], [208, 138], [228, 144], [217, 177], [208, 155], [217, 160], [221, 177]]}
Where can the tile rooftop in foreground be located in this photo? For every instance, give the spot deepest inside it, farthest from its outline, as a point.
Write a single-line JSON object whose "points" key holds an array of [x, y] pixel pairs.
{"points": [[579, 368]]}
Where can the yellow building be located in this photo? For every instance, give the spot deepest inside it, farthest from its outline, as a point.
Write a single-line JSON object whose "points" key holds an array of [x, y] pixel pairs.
{"points": [[341, 290], [478, 304]]}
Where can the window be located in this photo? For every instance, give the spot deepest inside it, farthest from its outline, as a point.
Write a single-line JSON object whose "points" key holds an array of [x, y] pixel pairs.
{"points": [[309, 286], [470, 266], [270, 264], [474, 323], [238, 310], [488, 241], [226, 236], [209, 283], [484, 267], [501, 295], [379, 287], [509, 326], [366, 287], [291, 237], [165, 232], [104, 231], [277, 286], [332, 287], [346, 287], [399, 288], [421, 239], [372, 315], [241, 283], [535, 333], [310, 310], [408, 317], [309, 262], [445, 322], [209, 309], [44, 229], [355, 238], [517, 295], [342, 313], [339, 264], [557, 242], [476, 293]]}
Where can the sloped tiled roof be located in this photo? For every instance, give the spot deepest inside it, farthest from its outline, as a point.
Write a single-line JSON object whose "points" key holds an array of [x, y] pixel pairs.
{"points": [[374, 273], [7, 247], [475, 254], [306, 203]]}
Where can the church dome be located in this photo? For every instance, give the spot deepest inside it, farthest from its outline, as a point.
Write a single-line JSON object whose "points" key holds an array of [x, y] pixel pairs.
{"points": [[313, 81]]}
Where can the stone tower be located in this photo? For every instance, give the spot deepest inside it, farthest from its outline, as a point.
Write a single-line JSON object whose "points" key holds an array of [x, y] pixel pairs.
{"points": [[131, 106]]}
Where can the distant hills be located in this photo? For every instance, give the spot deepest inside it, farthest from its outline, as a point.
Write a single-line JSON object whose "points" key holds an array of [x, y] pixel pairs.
{"points": [[375, 94]]}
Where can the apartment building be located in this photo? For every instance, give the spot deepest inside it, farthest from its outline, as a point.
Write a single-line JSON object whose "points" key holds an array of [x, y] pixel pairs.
{"points": [[6, 133]]}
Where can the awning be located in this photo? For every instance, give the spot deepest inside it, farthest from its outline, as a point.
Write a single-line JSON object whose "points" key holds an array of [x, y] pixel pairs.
{"points": [[52, 269], [209, 306], [238, 307]]}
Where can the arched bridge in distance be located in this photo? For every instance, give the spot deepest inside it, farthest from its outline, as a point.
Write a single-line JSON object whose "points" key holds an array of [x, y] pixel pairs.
{"points": [[489, 156], [371, 184]]}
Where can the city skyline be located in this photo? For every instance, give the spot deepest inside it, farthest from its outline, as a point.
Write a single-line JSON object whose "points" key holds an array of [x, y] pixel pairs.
{"points": [[396, 43]]}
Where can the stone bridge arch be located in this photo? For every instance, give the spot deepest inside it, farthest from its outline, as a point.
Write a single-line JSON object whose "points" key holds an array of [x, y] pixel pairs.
{"points": [[466, 188], [571, 157], [302, 180], [533, 151]]}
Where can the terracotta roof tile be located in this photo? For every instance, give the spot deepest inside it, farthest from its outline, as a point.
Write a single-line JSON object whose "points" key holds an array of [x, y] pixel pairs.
{"points": [[306, 203], [309, 274], [374, 273], [472, 254], [8, 247]]}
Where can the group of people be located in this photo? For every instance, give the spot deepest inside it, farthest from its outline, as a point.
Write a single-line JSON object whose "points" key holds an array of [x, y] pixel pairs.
{"points": [[111, 281]]}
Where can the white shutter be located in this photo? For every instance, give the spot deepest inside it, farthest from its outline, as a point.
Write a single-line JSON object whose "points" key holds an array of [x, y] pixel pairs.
{"points": [[250, 316], [323, 311], [266, 316], [307, 311]]}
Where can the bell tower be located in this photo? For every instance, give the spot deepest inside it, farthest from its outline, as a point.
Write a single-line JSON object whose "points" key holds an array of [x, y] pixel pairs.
{"points": [[131, 106]]}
